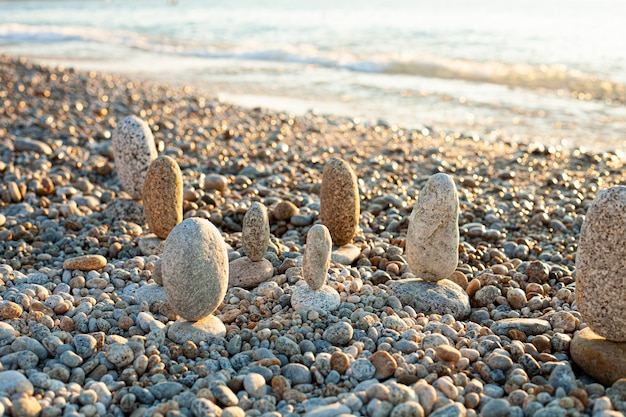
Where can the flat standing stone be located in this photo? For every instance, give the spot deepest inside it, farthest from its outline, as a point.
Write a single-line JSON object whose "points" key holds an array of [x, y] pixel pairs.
{"points": [[316, 259], [255, 233], [432, 240], [163, 196], [600, 358], [245, 273], [600, 265], [339, 201], [85, 263], [440, 297], [194, 268], [134, 150]]}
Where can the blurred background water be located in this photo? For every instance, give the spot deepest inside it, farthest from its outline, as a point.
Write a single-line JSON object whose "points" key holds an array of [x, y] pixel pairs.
{"points": [[535, 70]]}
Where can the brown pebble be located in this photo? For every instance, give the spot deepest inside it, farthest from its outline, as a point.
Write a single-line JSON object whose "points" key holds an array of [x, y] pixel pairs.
{"points": [[384, 363], [66, 324], [85, 263], [472, 287], [448, 353], [125, 322], [190, 350], [280, 385], [542, 343], [285, 210], [10, 310], [339, 361], [459, 277]]}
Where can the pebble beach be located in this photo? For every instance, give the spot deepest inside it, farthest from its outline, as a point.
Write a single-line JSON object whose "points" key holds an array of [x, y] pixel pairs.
{"points": [[77, 340]]}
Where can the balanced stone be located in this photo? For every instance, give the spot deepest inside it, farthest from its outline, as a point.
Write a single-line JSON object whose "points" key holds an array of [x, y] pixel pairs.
{"points": [[194, 268], [600, 265], [440, 297], [248, 274], [339, 201], [345, 254], [255, 233], [600, 358], [134, 150], [316, 259], [432, 238], [163, 196]]}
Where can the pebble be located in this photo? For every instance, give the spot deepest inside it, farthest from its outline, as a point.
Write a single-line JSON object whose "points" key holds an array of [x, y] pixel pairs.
{"points": [[26, 144], [330, 410], [284, 210], [296, 373], [85, 263], [432, 238], [10, 381], [254, 384], [339, 201], [215, 182], [196, 331], [345, 255], [255, 233], [194, 268], [600, 260], [339, 334], [134, 150], [526, 326], [118, 354], [439, 297], [306, 299], [600, 358], [362, 369], [10, 310], [163, 196], [316, 260], [246, 273], [384, 363]]}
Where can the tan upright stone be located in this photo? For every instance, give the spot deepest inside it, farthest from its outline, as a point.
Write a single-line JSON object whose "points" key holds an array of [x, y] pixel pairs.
{"points": [[339, 201], [163, 196]]}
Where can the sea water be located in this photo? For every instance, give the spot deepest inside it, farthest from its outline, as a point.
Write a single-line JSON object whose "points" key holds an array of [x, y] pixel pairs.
{"points": [[534, 70]]}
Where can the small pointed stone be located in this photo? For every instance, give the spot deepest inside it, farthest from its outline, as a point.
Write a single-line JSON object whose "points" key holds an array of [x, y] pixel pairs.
{"points": [[339, 201], [316, 260], [255, 233], [432, 239]]}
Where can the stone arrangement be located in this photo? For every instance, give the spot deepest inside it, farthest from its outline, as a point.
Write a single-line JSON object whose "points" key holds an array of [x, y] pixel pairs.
{"points": [[134, 150], [86, 327], [163, 196], [432, 240], [252, 269], [432, 252], [315, 294], [339, 201], [195, 274], [600, 349]]}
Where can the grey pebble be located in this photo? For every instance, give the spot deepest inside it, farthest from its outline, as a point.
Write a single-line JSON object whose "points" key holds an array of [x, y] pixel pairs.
{"points": [[166, 390], [496, 408], [362, 369], [297, 373], [339, 334]]}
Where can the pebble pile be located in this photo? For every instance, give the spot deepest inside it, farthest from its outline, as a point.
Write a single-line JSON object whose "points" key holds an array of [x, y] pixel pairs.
{"points": [[75, 251]]}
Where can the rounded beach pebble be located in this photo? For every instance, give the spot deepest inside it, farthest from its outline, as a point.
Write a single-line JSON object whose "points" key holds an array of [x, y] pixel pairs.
{"points": [[163, 196], [600, 265], [255, 233], [134, 151], [339, 201], [598, 357], [324, 299], [432, 239], [85, 263], [245, 273], [316, 259], [441, 297], [194, 268]]}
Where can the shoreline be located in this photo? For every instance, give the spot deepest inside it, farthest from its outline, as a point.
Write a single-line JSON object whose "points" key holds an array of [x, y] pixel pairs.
{"points": [[60, 197]]}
